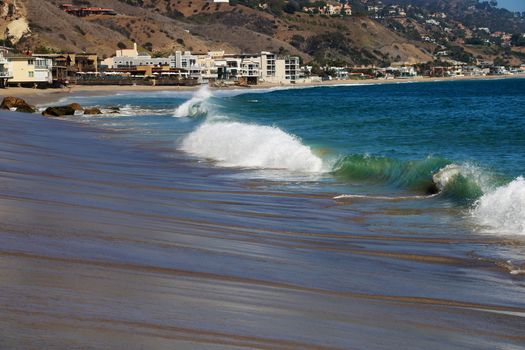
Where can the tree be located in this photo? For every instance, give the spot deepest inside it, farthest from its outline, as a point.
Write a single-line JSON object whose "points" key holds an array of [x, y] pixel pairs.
{"points": [[518, 40]]}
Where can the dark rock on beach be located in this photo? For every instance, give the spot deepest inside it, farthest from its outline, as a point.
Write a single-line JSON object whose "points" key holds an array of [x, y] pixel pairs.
{"points": [[93, 110], [18, 104], [58, 111], [75, 106]]}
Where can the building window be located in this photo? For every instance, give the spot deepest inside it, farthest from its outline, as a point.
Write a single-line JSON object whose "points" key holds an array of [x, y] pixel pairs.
{"points": [[31, 74], [30, 62]]}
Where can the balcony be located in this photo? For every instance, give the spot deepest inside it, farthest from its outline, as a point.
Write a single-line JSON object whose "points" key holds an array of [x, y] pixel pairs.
{"points": [[5, 74]]}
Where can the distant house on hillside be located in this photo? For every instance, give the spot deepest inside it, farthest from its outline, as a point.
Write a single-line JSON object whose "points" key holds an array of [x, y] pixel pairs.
{"points": [[87, 11], [330, 9]]}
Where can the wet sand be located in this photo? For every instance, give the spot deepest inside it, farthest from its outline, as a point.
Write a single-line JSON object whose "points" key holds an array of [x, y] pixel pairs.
{"points": [[105, 245]]}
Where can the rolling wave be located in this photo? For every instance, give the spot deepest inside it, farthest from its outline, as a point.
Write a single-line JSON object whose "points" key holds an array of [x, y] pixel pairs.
{"points": [[196, 106]]}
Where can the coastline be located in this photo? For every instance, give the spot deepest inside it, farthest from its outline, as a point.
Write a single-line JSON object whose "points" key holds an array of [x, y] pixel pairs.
{"points": [[47, 96]]}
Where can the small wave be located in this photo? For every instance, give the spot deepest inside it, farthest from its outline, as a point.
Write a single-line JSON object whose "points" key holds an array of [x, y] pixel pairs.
{"points": [[384, 198], [234, 144], [502, 210], [196, 106], [414, 175]]}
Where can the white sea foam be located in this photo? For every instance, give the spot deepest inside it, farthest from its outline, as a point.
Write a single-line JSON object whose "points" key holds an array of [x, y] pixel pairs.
{"points": [[234, 144], [196, 105], [503, 209]]}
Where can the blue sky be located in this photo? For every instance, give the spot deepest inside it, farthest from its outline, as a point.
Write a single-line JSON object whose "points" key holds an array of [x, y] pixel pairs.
{"points": [[514, 5]]}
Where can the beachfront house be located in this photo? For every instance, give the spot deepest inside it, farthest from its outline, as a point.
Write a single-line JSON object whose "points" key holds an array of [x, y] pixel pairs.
{"points": [[5, 74], [185, 60], [66, 66], [29, 70], [250, 70], [279, 69]]}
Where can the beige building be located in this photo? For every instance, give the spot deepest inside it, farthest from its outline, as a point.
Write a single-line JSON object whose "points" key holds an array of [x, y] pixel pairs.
{"points": [[29, 70], [279, 70]]}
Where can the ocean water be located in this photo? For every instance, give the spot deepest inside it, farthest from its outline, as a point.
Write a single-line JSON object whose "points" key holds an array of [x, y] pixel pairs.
{"points": [[350, 217], [458, 146]]}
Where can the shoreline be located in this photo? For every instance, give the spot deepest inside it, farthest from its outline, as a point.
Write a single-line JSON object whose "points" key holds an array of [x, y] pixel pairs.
{"points": [[47, 96]]}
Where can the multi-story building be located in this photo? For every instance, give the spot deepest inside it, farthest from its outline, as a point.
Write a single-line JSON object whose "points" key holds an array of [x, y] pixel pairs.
{"points": [[279, 70], [185, 60], [292, 68], [29, 70], [250, 71], [66, 66], [5, 74]]}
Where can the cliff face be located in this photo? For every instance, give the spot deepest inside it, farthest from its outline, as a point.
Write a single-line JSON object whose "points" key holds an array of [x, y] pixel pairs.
{"points": [[13, 25]]}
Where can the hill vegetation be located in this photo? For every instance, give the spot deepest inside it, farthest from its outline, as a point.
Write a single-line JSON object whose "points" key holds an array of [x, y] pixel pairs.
{"points": [[402, 35]]}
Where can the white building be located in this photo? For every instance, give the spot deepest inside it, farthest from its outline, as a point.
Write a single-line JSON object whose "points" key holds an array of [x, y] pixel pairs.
{"points": [[5, 74], [279, 70], [127, 58], [140, 60], [186, 61], [251, 69]]}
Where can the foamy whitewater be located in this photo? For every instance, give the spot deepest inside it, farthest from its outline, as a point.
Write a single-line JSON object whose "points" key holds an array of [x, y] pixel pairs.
{"points": [[502, 211], [234, 144]]}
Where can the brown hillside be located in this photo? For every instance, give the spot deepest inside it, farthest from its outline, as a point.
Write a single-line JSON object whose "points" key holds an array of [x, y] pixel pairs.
{"points": [[198, 25]]}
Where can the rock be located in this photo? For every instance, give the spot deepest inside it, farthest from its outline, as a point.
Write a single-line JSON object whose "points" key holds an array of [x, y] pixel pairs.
{"points": [[114, 109], [58, 111], [17, 104], [75, 106], [93, 110], [26, 109]]}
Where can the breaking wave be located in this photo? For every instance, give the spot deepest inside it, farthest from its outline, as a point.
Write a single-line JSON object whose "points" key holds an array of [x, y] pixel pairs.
{"points": [[503, 209], [234, 144], [196, 106], [433, 175], [496, 206]]}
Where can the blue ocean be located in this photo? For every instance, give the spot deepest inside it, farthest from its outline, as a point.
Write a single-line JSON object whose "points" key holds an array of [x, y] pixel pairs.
{"points": [[432, 157]]}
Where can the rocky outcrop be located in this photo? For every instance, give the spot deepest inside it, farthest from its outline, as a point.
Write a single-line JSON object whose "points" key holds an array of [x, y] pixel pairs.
{"points": [[75, 106], [17, 104], [58, 111], [91, 111]]}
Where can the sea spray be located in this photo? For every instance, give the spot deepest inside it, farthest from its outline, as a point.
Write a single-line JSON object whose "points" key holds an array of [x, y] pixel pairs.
{"points": [[196, 106], [502, 210], [235, 144]]}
